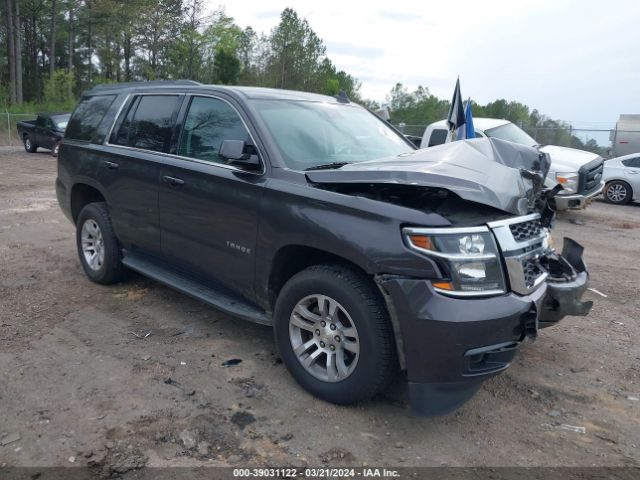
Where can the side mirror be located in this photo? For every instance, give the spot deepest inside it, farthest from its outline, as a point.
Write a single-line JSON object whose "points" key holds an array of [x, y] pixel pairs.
{"points": [[237, 151]]}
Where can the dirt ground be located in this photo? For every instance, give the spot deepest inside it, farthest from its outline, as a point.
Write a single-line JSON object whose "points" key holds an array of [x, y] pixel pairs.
{"points": [[131, 375]]}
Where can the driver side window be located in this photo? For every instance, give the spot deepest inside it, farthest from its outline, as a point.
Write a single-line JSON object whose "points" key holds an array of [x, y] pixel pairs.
{"points": [[209, 121]]}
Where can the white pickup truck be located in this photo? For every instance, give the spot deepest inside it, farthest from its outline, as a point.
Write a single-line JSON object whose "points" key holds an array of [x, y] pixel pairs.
{"points": [[579, 172]]}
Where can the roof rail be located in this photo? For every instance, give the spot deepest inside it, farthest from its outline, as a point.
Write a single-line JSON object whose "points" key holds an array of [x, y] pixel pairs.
{"points": [[151, 83]]}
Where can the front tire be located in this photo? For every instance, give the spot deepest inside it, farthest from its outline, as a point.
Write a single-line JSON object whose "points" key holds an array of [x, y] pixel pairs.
{"points": [[618, 192], [98, 247], [29, 146], [334, 335]]}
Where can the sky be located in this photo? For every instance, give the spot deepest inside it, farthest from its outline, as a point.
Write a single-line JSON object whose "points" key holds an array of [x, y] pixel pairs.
{"points": [[577, 61]]}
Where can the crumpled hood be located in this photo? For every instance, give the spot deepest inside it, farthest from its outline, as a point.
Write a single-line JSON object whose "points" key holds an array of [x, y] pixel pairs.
{"points": [[485, 170]]}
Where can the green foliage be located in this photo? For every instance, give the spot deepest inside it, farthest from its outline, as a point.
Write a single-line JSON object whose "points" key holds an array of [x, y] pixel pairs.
{"points": [[103, 41], [227, 67], [418, 107], [57, 89]]}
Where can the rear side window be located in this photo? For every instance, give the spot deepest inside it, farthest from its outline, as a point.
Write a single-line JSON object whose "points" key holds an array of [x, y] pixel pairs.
{"points": [[632, 162], [438, 137], [148, 123], [209, 122], [87, 117]]}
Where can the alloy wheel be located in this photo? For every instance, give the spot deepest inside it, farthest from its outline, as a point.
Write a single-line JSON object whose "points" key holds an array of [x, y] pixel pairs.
{"points": [[92, 244], [616, 193], [324, 338]]}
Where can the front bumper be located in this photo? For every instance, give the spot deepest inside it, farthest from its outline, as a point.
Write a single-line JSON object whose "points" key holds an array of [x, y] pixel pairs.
{"points": [[576, 201], [449, 346]]}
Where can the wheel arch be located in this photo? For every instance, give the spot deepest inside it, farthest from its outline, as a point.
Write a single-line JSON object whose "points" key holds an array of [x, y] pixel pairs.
{"points": [[292, 259], [81, 195]]}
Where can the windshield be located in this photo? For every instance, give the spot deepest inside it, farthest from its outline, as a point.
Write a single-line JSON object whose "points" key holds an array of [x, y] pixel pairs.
{"points": [[511, 133], [60, 121], [309, 134]]}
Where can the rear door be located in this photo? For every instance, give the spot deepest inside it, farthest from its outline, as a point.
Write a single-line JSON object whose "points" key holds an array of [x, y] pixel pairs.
{"points": [[39, 137], [47, 137], [632, 172], [208, 207], [130, 168]]}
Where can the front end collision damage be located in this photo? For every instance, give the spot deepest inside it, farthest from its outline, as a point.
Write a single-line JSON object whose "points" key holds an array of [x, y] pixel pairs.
{"points": [[449, 345], [477, 338], [566, 283]]}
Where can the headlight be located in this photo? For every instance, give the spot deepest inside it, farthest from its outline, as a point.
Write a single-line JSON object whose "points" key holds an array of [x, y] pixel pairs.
{"points": [[569, 182], [468, 256]]}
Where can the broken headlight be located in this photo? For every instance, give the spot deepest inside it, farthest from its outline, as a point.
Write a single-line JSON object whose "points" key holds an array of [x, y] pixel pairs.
{"points": [[469, 258]]}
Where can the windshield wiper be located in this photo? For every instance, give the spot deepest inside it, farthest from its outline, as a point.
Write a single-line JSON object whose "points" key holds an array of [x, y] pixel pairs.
{"points": [[327, 166]]}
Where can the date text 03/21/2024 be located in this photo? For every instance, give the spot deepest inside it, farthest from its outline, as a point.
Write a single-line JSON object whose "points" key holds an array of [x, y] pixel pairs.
{"points": [[315, 473]]}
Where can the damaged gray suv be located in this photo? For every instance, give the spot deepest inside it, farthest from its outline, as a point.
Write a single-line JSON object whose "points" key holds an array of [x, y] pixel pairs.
{"points": [[310, 214]]}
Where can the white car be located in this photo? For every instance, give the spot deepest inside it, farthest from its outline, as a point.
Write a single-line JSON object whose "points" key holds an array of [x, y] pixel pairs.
{"points": [[622, 179], [579, 172]]}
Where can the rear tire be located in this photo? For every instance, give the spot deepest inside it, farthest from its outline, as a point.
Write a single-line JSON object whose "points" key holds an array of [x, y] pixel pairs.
{"points": [[29, 146], [618, 192], [98, 248], [334, 335]]}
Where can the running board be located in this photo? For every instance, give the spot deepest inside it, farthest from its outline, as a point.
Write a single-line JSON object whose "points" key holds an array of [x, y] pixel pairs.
{"points": [[222, 301]]}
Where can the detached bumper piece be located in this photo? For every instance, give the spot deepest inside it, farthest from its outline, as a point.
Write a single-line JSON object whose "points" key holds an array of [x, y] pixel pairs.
{"points": [[567, 281]]}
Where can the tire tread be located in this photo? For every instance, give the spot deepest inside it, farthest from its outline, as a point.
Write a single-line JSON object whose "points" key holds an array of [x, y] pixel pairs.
{"points": [[378, 322], [114, 270]]}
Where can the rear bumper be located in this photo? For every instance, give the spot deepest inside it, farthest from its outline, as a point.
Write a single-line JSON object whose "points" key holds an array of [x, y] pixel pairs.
{"points": [[449, 346], [577, 201]]}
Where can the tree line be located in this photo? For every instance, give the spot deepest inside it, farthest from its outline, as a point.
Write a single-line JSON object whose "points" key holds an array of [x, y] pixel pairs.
{"points": [[53, 50], [420, 108]]}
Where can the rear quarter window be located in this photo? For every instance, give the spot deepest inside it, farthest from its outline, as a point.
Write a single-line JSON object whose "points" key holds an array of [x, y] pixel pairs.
{"points": [[87, 117]]}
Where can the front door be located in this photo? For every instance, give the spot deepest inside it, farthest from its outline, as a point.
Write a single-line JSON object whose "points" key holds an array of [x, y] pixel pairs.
{"points": [[208, 207]]}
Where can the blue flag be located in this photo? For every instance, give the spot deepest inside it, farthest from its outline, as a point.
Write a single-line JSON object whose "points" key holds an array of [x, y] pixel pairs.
{"points": [[466, 130]]}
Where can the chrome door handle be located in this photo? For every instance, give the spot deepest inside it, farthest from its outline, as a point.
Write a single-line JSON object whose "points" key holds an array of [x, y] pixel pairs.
{"points": [[173, 180]]}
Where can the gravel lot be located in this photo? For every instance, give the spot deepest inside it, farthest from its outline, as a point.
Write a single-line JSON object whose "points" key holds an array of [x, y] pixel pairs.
{"points": [[80, 381]]}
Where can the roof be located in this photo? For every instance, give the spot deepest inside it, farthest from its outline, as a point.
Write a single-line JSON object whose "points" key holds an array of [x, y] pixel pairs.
{"points": [[628, 120], [192, 86], [479, 123], [624, 157]]}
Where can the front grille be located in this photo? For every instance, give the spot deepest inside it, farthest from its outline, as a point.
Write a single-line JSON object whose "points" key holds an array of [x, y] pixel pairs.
{"points": [[525, 230], [521, 241], [590, 176], [532, 270]]}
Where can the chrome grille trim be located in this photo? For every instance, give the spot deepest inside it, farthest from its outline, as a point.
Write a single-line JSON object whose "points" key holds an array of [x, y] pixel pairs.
{"points": [[521, 240]]}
